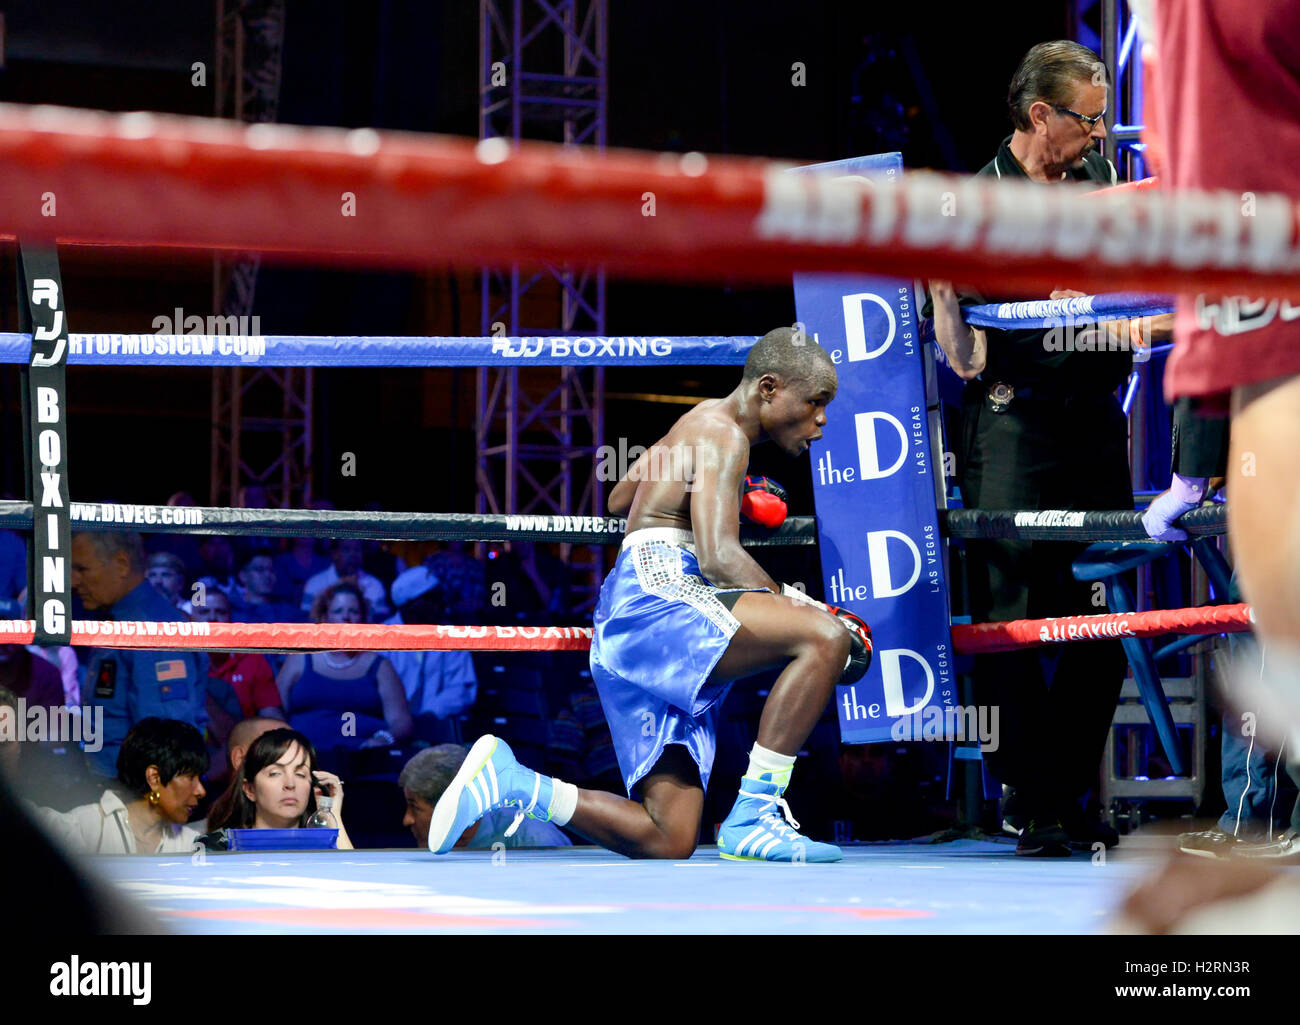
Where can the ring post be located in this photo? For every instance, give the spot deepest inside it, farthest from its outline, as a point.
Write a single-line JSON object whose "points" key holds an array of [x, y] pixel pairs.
{"points": [[43, 312]]}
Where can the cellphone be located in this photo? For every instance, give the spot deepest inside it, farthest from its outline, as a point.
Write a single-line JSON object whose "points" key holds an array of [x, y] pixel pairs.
{"points": [[322, 784]]}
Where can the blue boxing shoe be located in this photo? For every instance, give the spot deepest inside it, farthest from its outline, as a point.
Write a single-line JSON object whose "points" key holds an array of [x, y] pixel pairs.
{"points": [[490, 778], [761, 828]]}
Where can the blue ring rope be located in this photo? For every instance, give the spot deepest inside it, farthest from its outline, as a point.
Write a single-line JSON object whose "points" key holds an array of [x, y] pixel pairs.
{"points": [[1049, 313]]}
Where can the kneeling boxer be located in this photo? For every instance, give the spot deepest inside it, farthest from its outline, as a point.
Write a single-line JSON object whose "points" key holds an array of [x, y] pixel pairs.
{"points": [[684, 613]]}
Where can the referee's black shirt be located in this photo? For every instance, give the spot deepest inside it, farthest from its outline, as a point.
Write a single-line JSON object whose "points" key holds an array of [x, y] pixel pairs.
{"points": [[1021, 358]]}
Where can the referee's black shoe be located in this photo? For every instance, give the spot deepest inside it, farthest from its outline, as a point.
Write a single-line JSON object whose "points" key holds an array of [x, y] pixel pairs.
{"points": [[1043, 838], [1086, 831]]}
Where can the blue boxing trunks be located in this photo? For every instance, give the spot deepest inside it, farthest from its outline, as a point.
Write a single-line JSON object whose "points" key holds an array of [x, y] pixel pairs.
{"points": [[659, 630]]}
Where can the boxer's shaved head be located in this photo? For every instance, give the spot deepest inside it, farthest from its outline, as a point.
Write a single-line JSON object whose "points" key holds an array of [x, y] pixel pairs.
{"points": [[791, 355]]}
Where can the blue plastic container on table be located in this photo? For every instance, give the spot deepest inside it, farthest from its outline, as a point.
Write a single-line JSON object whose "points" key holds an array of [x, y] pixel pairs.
{"points": [[282, 839]]}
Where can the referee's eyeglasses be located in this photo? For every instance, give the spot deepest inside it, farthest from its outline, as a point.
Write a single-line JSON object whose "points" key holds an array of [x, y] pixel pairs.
{"points": [[1089, 122]]}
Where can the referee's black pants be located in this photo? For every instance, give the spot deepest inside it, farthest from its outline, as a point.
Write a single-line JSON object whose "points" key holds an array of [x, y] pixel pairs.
{"points": [[1040, 454]]}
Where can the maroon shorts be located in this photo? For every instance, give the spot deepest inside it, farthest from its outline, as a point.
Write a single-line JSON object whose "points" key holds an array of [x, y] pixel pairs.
{"points": [[1228, 108]]}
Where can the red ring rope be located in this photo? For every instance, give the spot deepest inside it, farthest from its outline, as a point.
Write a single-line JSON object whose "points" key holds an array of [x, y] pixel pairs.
{"points": [[165, 180], [309, 636], [967, 639], [1026, 633]]}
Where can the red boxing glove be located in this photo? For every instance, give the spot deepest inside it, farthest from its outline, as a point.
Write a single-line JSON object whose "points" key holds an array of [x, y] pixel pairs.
{"points": [[763, 502], [861, 649]]}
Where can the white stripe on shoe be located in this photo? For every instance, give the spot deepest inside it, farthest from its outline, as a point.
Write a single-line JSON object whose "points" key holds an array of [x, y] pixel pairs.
{"points": [[768, 846], [444, 813], [492, 775], [756, 834]]}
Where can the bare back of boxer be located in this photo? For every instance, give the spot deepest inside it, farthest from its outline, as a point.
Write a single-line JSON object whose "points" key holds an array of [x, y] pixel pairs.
{"points": [[686, 471]]}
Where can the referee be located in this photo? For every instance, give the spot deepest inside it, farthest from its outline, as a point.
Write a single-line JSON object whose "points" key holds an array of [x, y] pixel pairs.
{"points": [[1042, 429]]}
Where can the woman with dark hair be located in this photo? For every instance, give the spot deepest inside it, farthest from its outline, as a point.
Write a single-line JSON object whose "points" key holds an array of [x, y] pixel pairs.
{"points": [[146, 809], [275, 788], [326, 691]]}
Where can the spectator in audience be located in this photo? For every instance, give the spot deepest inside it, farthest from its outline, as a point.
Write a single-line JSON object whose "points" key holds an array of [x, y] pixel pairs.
{"points": [[275, 787], [28, 677], [463, 582], [217, 557], [293, 568], [346, 556], [159, 768], [131, 683], [184, 546], [223, 710], [237, 743], [255, 601], [167, 574], [342, 699], [409, 554], [248, 672], [430, 772], [439, 685]]}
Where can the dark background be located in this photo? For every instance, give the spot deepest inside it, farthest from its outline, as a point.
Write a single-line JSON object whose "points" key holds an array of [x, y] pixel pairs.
{"points": [[714, 77]]}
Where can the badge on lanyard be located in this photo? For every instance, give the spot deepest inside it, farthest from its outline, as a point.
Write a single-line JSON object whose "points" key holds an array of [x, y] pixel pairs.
{"points": [[106, 679]]}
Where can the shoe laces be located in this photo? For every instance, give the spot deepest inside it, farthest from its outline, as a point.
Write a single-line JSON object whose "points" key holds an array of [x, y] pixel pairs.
{"points": [[772, 818], [523, 812]]}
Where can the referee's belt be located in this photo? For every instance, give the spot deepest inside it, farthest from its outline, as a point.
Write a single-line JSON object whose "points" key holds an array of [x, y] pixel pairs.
{"points": [[1000, 395]]}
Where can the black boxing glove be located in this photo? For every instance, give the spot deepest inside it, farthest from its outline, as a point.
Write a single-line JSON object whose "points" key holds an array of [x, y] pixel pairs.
{"points": [[861, 650]]}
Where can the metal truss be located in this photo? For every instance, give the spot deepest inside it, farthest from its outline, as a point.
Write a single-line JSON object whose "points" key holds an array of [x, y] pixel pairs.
{"points": [[1108, 28], [543, 74], [1122, 53], [261, 417]]}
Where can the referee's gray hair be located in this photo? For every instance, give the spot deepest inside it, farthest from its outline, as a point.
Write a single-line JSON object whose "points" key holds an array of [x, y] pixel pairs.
{"points": [[428, 774], [107, 545], [1050, 72]]}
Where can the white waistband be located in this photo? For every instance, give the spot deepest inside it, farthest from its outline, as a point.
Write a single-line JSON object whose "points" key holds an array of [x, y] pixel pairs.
{"points": [[672, 535]]}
